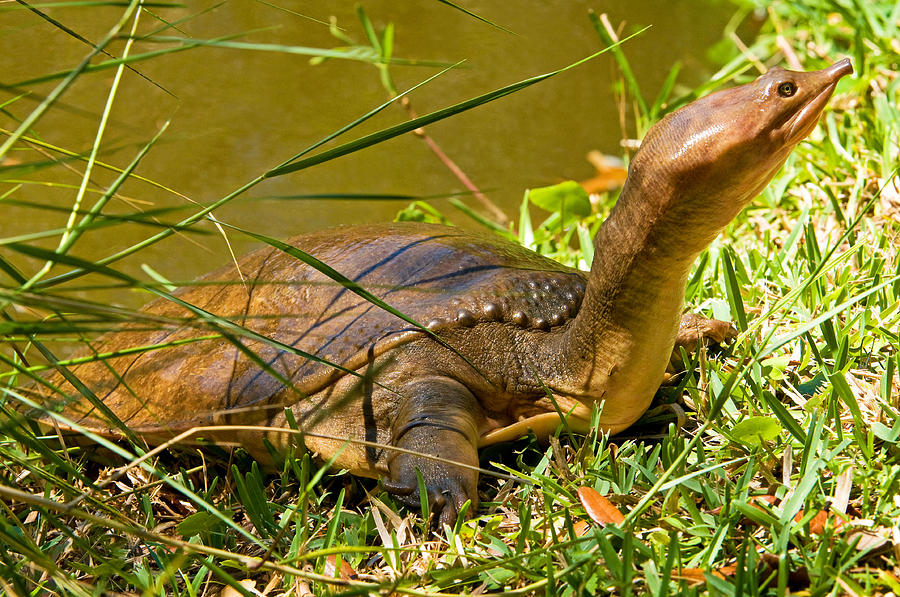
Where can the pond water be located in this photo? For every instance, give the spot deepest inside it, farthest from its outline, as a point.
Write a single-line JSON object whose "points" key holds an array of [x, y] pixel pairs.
{"points": [[236, 113]]}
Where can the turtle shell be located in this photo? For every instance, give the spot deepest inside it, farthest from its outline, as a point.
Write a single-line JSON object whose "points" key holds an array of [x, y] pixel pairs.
{"points": [[196, 367]]}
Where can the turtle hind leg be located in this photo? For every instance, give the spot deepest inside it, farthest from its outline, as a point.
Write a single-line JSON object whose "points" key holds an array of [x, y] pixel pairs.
{"points": [[437, 417]]}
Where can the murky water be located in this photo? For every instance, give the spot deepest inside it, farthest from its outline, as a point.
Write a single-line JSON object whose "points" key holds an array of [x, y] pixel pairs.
{"points": [[234, 113]]}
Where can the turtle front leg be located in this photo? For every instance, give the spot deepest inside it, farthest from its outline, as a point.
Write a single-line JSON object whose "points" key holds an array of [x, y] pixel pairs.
{"points": [[439, 417], [694, 330]]}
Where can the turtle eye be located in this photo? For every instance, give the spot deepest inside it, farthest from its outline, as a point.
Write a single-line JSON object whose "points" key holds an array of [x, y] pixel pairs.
{"points": [[787, 89]]}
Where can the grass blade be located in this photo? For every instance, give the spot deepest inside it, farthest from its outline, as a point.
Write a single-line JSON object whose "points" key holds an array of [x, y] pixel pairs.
{"points": [[433, 117], [68, 77], [475, 16]]}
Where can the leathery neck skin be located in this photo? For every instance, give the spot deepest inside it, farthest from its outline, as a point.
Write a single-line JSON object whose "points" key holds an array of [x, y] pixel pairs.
{"points": [[617, 348], [696, 169]]}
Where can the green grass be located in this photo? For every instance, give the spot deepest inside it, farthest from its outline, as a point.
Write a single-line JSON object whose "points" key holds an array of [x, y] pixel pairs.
{"points": [[802, 409]]}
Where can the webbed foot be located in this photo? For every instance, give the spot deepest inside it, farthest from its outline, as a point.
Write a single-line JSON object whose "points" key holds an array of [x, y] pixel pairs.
{"points": [[693, 331], [445, 498], [696, 328], [438, 418]]}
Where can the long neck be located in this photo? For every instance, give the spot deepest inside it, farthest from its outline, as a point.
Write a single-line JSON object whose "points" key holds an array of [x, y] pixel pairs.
{"points": [[695, 170], [622, 337]]}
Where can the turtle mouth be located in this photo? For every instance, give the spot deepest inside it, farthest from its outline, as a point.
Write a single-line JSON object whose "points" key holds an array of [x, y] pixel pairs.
{"points": [[802, 122]]}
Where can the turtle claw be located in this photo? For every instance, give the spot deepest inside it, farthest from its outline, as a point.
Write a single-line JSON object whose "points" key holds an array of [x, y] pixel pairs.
{"points": [[445, 501], [449, 504], [693, 332], [397, 488], [696, 328]]}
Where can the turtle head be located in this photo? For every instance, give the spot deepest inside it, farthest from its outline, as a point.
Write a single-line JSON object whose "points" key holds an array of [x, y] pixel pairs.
{"points": [[714, 155], [694, 171]]}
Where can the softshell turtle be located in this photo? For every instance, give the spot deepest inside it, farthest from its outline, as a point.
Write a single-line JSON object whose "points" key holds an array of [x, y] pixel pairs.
{"points": [[516, 338]]}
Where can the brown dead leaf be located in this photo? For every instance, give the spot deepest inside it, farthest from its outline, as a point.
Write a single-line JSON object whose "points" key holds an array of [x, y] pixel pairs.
{"points": [[726, 571], [842, 490], [817, 522], [768, 499], [581, 528], [871, 538], [347, 571], [610, 173], [247, 583], [600, 509], [694, 576]]}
